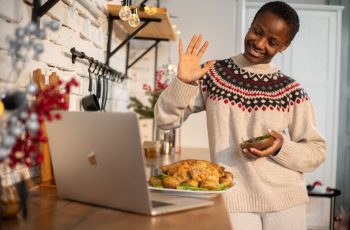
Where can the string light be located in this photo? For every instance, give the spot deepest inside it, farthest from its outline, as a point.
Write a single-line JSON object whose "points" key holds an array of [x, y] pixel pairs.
{"points": [[134, 20], [125, 12], [150, 10], [128, 13]]}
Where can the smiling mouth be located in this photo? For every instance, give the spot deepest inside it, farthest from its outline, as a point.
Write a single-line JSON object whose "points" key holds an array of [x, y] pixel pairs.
{"points": [[252, 52]]}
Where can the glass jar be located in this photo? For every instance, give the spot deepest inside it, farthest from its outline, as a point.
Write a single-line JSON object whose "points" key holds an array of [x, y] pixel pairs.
{"points": [[10, 202]]}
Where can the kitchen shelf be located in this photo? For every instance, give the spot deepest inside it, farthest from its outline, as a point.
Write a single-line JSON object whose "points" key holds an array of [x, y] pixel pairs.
{"points": [[38, 9], [155, 27], [155, 30]]}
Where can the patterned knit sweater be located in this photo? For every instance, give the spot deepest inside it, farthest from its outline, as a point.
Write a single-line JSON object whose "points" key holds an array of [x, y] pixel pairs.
{"points": [[242, 101]]}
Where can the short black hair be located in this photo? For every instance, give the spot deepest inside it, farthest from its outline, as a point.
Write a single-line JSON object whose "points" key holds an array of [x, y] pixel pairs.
{"points": [[285, 12]]}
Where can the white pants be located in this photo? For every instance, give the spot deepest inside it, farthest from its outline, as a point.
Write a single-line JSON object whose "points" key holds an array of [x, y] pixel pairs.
{"points": [[289, 219]]}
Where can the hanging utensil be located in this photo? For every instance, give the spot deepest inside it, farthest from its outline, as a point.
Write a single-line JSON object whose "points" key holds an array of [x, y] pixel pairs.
{"points": [[90, 102]]}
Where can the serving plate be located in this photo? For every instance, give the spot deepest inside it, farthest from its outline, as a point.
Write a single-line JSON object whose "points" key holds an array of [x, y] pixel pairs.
{"points": [[189, 193]]}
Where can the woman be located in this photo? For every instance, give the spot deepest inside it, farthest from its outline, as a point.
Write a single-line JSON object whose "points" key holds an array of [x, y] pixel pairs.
{"points": [[244, 97]]}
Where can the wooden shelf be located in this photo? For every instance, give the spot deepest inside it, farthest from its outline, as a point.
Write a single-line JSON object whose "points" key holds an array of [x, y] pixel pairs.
{"points": [[155, 30]]}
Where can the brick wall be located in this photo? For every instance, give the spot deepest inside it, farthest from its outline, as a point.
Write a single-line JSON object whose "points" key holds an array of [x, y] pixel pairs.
{"points": [[83, 25]]}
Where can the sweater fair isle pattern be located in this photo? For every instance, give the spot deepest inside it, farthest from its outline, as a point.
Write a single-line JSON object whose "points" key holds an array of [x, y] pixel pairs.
{"points": [[242, 101]]}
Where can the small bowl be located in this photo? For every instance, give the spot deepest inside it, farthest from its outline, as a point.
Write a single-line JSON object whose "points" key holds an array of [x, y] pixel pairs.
{"points": [[260, 143]]}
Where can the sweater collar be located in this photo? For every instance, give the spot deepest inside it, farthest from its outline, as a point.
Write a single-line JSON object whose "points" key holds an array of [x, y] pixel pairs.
{"points": [[242, 62]]}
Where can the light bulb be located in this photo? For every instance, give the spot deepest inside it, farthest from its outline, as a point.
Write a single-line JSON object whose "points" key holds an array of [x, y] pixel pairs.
{"points": [[125, 13], [134, 20], [150, 10]]}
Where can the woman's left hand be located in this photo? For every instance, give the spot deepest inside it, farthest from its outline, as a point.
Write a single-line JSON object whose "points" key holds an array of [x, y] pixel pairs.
{"points": [[273, 149]]}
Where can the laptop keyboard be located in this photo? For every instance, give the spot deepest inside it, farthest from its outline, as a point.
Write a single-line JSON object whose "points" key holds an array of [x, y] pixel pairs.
{"points": [[156, 204]]}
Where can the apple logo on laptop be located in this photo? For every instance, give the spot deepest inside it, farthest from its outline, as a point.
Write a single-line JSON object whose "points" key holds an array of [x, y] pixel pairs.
{"points": [[92, 158]]}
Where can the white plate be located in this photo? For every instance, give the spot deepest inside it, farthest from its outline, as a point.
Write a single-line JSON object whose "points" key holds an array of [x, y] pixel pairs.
{"points": [[190, 193]]}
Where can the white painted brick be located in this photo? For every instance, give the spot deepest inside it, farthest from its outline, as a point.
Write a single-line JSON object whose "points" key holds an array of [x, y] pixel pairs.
{"points": [[83, 45], [92, 51], [58, 11], [51, 53], [69, 2], [25, 76], [101, 5], [108, 107], [26, 15], [7, 31], [95, 53], [81, 85], [6, 67], [66, 37], [113, 105], [121, 106], [117, 61], [85, 28], [74, 103], [124, 95], [75, 40], [65, 76], [13, 10], [71, 18], [100, 39], [64, 61], [85, 84], [116, 91], [82, 11], [80, 68], [97, 36], [53, 36]]}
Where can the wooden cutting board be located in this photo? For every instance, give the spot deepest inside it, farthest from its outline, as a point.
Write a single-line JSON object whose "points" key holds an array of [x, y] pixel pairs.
{"points": [[47, 176]]}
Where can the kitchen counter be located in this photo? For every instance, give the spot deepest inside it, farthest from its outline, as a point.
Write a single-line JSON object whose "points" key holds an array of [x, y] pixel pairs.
{"points": [[48, 211]]}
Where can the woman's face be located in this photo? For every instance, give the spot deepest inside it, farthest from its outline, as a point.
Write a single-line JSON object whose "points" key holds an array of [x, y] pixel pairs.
{"points": [[268, 35]]}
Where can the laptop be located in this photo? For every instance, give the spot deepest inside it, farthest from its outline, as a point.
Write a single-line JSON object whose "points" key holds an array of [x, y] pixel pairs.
{"points": [[98, 159]]}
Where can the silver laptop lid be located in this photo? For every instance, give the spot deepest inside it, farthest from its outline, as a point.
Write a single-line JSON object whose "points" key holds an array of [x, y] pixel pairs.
{"points": [[97, 158]]}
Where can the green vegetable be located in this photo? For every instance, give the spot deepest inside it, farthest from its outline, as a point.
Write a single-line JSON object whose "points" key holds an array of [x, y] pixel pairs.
{"points": [[162, 175], [221, 187], [259, 138]]}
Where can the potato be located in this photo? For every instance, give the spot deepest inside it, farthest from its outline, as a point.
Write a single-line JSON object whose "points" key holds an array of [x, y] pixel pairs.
{"points": [[181, 175], [170, 182], [155, 181], [228, 175], [192, 182], [209, 184], [226, 181]]}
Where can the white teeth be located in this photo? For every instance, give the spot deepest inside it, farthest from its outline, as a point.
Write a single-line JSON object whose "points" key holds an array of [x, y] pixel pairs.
{"points": [[254, 53]]}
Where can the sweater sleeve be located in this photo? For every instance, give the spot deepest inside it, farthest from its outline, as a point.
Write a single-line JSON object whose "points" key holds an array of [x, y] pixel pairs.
{"points": [[176, 103], [306, 149]]}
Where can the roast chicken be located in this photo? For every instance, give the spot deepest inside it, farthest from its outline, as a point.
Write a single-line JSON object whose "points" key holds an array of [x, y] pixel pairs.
{"points": [[193, 173]]}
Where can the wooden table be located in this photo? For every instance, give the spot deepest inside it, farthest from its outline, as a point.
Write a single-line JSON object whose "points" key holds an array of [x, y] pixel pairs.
{"points": [[48, 211]]}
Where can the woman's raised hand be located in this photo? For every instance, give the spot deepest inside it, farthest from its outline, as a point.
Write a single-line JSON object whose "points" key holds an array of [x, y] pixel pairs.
{"points": [[189, 69]]}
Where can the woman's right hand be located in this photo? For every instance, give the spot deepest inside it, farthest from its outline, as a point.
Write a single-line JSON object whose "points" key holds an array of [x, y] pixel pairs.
{"points": [[189, 69]]}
